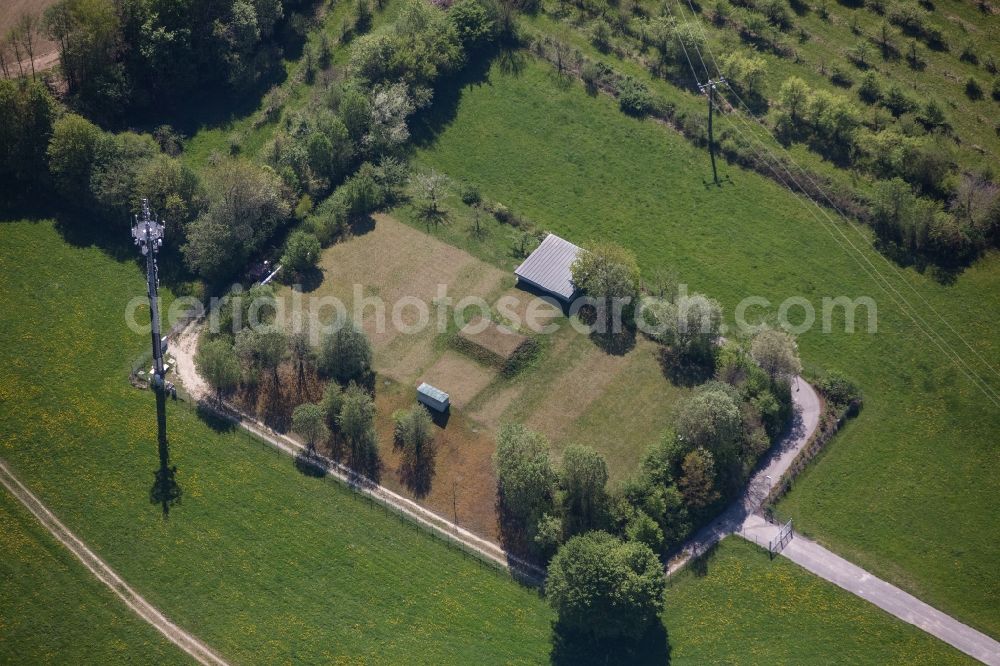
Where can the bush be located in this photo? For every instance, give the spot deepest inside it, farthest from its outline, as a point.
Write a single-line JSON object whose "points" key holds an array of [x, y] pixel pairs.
{"points": [[476, 25], [330, 221], [972, 89], [996, 90], [840, 77], [501, 213], [634, 97], [897, 101], [591, 75], [471, 195], [839, 389], [968, 54], [870, 90], [600, 36], [302, 252], [361, 194]]}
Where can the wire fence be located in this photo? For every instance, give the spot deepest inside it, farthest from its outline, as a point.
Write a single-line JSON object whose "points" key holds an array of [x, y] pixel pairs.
{"points": [[829, 424], [366, 490]]}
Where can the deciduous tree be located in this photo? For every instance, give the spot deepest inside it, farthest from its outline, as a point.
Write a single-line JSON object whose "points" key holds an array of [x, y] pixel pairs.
{"points": [[710, 418], [357, 428], [609, 273], [776, 353], [582, 478], [71, 156], [302, 252], [308, 421], [247, 202], [604, 588], [346, 355], [261, 349], [525, 477], [697, 483]]}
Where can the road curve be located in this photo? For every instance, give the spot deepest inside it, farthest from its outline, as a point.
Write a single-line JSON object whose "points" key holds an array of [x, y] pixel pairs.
{"points": [[179, 637], [779, 457]]}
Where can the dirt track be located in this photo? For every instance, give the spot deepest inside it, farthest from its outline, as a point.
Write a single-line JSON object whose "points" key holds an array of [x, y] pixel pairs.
{"points": [[136, 603]]}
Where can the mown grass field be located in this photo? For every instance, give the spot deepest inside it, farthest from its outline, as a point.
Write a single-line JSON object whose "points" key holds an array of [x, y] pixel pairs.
{"points": [[263, 563], [54, 611], [741, 603], [573, 391], [907, 491]]}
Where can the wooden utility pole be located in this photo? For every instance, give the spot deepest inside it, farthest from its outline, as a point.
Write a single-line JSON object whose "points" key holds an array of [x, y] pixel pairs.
{"points": [[709, 88]]}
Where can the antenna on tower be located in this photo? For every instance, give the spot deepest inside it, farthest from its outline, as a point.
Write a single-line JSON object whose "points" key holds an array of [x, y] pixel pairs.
{"points": [[148, 235]]}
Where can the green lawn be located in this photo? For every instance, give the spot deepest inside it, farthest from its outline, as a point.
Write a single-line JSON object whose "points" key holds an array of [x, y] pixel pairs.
{"points": [[908, 490], [263, 563], [741, 603], [54, 611]]}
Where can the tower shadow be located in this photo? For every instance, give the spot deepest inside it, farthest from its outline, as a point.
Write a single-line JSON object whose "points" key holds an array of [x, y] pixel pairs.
{"points": [[165, 490]]}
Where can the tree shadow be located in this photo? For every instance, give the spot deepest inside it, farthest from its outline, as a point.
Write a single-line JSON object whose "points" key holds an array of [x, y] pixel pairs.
{"points": [[83, 228], [699, 563], [165, 490], [685, 369], [428, 123], [362, 224], [416, 472], [309, 280], [573, 649], [213, 420], [433, 218], [512, 534], [367, 464], [310, 464], [615, 343]]}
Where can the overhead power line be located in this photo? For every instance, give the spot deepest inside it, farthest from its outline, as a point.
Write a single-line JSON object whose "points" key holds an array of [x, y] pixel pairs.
{"points": [[882, 281]]}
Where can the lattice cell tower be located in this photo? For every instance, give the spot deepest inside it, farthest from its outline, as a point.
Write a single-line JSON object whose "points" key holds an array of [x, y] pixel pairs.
{"points": [[148, 235]]}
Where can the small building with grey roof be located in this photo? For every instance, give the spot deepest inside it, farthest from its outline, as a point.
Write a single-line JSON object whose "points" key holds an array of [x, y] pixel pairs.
{"points": [[548, 267]]}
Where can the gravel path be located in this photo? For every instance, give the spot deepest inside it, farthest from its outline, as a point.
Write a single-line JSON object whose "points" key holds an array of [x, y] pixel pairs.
{"points": [[181, 638]]}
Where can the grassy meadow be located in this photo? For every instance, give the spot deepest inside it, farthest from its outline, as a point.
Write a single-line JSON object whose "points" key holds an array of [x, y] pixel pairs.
{"points": [[265, 564], [740, 602], [908, 490], [52, 610]]}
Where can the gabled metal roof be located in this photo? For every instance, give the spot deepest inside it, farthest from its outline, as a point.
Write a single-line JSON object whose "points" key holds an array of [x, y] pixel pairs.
{"points": [[432, 392], [547, 268]]}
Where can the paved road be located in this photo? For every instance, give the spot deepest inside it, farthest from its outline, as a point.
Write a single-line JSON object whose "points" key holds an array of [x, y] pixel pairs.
{"points": [[739, 518], [181, 638], [769, 471], [815, 558]]}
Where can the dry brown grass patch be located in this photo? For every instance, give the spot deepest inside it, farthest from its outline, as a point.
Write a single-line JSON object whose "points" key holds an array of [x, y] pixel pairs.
{"points": [[461, 378]]}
